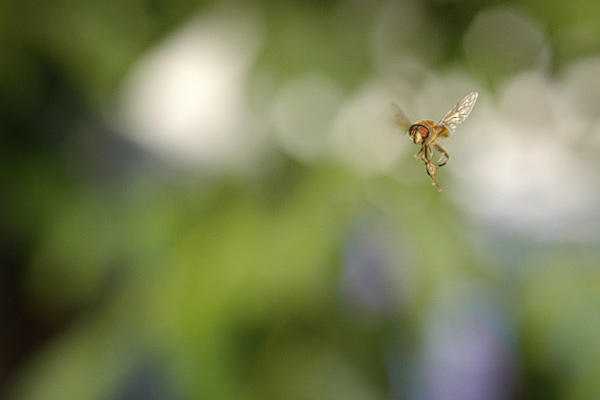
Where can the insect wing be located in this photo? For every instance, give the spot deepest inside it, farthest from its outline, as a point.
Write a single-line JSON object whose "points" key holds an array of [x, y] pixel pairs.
{"points": [[460, 111], [400, 119]]}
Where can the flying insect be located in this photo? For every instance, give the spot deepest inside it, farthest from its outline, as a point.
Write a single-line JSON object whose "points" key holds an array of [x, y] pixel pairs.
{"points": [[426, 133]]}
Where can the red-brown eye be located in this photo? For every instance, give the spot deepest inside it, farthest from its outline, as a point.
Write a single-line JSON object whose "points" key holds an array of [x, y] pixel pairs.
{"points": [[422, 130]]}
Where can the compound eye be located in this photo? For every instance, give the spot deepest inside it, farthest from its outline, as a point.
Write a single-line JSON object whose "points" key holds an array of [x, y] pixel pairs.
{"points": [[418, 133], [423, 131]]}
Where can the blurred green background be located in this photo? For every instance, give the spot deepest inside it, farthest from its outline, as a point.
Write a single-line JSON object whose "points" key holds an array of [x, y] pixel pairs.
{"points": [[210, 200]]}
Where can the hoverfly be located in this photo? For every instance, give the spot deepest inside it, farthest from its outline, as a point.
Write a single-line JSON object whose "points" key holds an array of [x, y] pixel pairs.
{"points": [[426, 133]]}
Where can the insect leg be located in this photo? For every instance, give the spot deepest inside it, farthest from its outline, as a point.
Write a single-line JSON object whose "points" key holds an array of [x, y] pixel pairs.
{"points": [[431, 169], [424, 154], [428, 153], [444, 154], [418, 156], [432, 172]]}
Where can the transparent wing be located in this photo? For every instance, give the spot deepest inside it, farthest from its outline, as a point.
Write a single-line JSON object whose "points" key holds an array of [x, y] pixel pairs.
{"points": [[400, 119], [460, 111]]}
